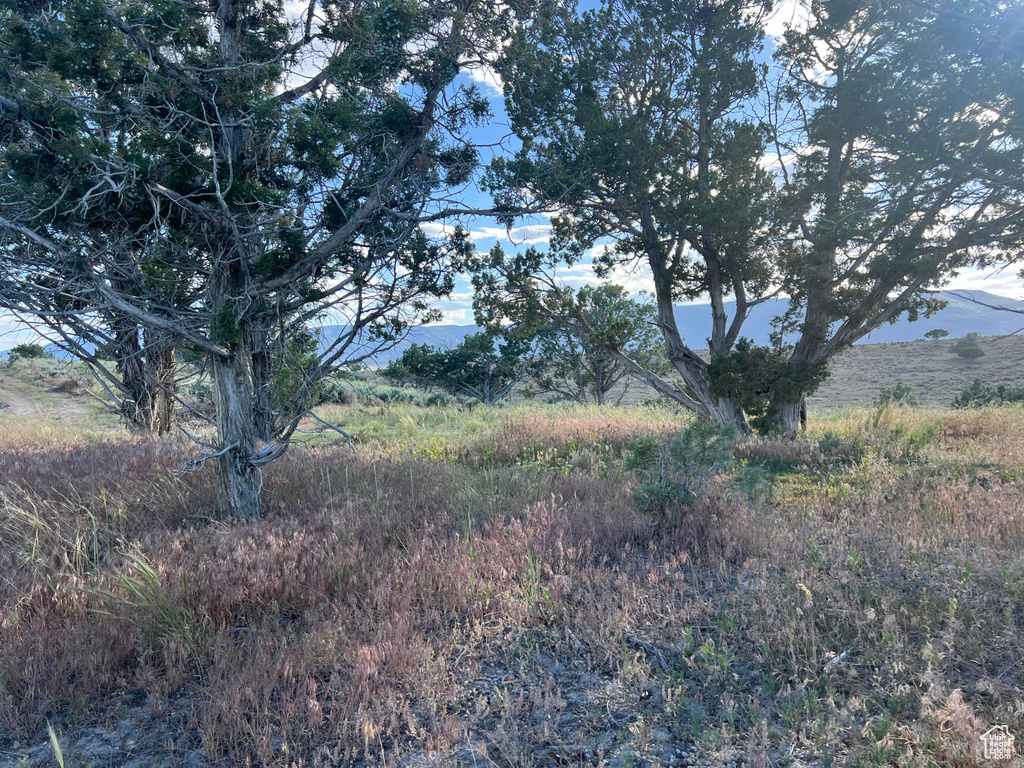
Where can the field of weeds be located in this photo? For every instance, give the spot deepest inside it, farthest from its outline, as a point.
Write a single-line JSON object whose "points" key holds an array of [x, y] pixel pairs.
{"points": [[485, 587]]}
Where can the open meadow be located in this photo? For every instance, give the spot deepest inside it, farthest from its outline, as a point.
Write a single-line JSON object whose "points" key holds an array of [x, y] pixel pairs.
{"points": [[514, 586]]}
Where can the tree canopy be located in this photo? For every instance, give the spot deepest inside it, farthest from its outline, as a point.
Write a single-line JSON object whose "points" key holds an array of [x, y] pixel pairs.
{"points": [[900, 135], [896, 131], [222, 175], [481, 367], [636, 131]]}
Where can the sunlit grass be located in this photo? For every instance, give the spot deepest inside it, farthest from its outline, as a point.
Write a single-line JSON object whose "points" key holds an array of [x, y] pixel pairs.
{"points": [[869, 591]]}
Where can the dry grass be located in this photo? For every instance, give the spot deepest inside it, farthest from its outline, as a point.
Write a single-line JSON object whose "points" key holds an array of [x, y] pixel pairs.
{"points": [[935, 374], [481, 586]]}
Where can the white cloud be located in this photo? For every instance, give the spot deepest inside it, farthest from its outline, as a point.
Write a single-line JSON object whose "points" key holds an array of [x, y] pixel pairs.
{"points": [[787, 13], [770, 161], [1001, 282], [455, 316], [434, 228], [488, 80], [529, 234], [457, 310], [635, 277]]}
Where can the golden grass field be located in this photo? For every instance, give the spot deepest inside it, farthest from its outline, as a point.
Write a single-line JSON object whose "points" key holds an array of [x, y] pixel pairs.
{"points": [[481, 587], [936, 375]]}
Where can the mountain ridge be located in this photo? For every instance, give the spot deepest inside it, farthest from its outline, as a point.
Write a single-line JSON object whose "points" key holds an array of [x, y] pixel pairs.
{"points": [[961, 316]]}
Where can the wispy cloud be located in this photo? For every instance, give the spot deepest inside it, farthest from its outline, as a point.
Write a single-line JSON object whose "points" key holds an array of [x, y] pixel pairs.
{"points": [[791, 13], [528, 234], [634, 278], [488, 80], [1001, 282]]}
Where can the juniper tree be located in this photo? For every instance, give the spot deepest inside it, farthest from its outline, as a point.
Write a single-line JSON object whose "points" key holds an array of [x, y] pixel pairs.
{"points": [[223, 175], [907, 143], [577, 336], [484, 366], [635, 134], [575, 350], [897, 130]]}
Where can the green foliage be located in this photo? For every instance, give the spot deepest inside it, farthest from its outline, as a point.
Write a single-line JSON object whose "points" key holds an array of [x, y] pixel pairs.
{"points": [[889, 153], [635, 126], [30, 351], [900, 394], [684, 469], [481, 366], [936, 334], [978, 395], [575, 359], [968, 347], [750, 375]]}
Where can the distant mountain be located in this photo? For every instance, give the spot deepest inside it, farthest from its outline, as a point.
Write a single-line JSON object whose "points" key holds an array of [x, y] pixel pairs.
{"points": [[437, 336], [960, 317]]}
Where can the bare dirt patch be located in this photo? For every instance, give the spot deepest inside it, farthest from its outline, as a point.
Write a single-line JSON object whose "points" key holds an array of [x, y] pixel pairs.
{"points": [[27, 393], [18, 404]]}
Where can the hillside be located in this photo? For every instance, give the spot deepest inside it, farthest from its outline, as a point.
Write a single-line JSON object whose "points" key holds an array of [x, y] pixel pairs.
{"points": [[53, 394], [960, 317], [56, 389], [935, 374]]}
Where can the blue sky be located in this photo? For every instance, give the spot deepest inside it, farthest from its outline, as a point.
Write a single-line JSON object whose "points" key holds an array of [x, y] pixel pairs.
{"points": [[536, 230]]}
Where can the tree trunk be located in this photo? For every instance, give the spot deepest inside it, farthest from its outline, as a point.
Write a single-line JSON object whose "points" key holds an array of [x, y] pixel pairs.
{"points": [[160, 366], [163, 392], [137, 402], [786, 418], [691, 368], [238, 480], [724, 412], [263, 384]]}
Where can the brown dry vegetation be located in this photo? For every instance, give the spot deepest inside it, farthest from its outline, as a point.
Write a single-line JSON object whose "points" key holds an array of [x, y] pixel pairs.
{"points": [[478, 587], [936, 375]]}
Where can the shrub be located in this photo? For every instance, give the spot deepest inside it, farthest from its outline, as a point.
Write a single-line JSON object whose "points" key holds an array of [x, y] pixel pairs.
{"points": [[683, 470], [337, 392], [978, 395], [898, 394], [30, 351], [968, 347]]}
